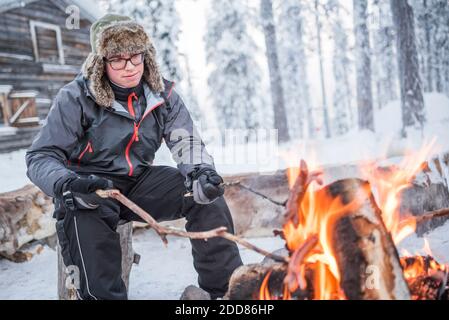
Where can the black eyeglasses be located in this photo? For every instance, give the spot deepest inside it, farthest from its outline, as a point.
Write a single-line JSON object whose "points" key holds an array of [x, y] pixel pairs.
{"points": [[120, 63]]}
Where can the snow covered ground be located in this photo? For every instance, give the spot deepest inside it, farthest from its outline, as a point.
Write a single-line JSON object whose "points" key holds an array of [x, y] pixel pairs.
{"points": [[13, 171], [163, 273]]}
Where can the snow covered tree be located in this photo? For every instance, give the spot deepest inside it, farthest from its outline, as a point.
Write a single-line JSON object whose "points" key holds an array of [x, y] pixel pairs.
{"points": [[441, 45], [445, 37], [363, 66], [190, 99], [235, 79], [424, 28], [432, 32], [411, 91], [441, 38], [342, 95], [384, 64], [293, 63], [318, 26], [277, 92]]}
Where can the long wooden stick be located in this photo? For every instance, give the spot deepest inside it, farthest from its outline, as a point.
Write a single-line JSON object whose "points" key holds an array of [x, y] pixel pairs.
{"points": [[164, 231], [240, 185], [433, 214], [250, 246], [426, 216]]}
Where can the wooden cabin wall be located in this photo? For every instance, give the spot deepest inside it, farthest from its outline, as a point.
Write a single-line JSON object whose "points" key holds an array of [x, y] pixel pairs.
{"points": [[25, 73]]}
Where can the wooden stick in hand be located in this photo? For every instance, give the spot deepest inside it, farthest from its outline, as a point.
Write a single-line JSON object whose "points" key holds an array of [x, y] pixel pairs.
{"points": [[164, 231]]}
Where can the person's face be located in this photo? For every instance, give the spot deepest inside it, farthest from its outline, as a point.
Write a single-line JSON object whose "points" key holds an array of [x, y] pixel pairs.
{"points": [[125, 73]]}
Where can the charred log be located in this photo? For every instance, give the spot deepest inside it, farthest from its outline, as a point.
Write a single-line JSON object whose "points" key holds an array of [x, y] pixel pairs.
{"points": [[426, 278], [366, 256], [246, 281]]}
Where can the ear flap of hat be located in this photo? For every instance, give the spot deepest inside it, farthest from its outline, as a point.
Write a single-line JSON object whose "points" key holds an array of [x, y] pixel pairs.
{"points": [[151, 72], [94, 70]]}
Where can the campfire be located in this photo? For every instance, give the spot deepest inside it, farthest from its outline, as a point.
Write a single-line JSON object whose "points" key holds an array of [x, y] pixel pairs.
{"points": [[341, 241]]}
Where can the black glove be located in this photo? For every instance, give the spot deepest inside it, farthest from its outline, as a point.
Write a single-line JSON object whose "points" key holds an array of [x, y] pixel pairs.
{"points": [[205, 184], [79, 192]]}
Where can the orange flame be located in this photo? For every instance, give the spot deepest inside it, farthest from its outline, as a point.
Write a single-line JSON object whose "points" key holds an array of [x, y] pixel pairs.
{"points": [[415, 269], [426, 247], [264, 292], [318, 211], [389, 184], [418, 265], [421, 266]]}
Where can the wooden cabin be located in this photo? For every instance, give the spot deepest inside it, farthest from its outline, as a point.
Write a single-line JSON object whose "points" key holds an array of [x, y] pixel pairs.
{"points": [[43, 44]]}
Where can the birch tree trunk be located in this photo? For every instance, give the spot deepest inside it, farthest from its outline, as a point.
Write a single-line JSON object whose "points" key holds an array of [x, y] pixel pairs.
{"points": [[363, 66], [323, 84], [277, 92], [412, 99]]}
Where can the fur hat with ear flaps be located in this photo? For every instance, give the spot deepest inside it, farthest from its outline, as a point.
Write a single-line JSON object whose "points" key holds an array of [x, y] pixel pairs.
{"points": [[112, 35]]}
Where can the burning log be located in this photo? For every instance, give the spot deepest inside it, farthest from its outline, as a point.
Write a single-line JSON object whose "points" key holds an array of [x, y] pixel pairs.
{"points": [[246, 281], [365, 254], [353, 255], [427, 279], [279, 278], [427, 288]]}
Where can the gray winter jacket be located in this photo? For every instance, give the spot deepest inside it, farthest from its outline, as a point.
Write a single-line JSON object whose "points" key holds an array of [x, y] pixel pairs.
{"points": [[80, 137]]}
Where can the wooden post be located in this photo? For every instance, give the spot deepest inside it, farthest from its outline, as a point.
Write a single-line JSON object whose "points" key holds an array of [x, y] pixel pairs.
{"points": [[4, 92], [65, 290]]}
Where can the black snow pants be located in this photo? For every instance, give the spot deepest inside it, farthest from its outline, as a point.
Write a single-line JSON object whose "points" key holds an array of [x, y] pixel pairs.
{"points": [[89, 240]]}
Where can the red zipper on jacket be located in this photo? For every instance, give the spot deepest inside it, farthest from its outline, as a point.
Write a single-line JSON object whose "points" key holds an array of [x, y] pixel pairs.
{"points": [[87, 148], [130, 104], [135, 136]]}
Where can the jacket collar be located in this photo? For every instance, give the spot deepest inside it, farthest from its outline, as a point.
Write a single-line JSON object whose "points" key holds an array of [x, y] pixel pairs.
{"points": [[152, 99]]}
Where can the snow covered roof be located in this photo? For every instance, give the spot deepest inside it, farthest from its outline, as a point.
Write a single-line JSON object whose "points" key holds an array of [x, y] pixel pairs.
{"points": [[88, 8]]}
